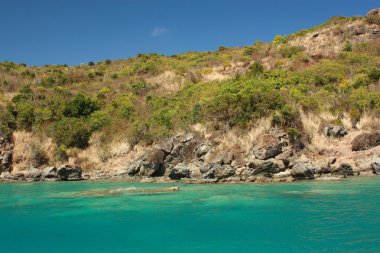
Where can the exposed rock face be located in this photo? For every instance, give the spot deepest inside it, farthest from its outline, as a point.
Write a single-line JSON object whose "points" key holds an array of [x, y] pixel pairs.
{"points": [[268, 146], [69, 172], [179, 171], [6, 147], [366, 141], [49, 173], [34, 174], [344, 169], [374, 12], [302, 171], [6, 175], [5, 161], [376, 164], [334, 131]]}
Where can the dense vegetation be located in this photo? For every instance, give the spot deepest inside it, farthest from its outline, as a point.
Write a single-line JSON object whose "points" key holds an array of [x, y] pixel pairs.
{"points": [[116, 99]]}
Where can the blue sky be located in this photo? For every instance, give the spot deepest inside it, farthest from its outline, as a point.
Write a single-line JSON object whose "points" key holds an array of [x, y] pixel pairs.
{"points": [[40, 32]]}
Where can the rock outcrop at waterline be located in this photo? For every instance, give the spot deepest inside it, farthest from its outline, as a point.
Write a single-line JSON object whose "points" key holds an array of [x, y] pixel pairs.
{"points": [[273, 157], [67, 172]]}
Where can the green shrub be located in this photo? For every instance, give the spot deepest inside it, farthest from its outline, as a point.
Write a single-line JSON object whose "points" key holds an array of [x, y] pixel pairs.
{"points": [[99, 120], [256, 69], [91, 63], [25, 116], [374, 75], [108, 61], [80, 106], [7, 123], [289, 51], [347, 47], [71, 132], [278, 40]]}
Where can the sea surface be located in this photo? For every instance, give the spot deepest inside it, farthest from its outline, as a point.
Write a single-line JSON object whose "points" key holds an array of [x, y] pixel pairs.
{"points": [[291, 217]]}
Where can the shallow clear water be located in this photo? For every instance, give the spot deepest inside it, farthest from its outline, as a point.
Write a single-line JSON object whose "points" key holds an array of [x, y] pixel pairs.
{"points": [[296, 217]]}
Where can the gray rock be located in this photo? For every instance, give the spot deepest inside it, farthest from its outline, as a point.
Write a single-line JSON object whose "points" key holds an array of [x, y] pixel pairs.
{"points": [[223, 171], [302, 171], [334, 131], [202, 150], [34, 173], [19, 176], [69, 172], [49, 172], [366, 141], [6, 161], [134, 168], [345, 169], [6, 175], [179, 171], [376, 164], [268, 146], [152, 163]]}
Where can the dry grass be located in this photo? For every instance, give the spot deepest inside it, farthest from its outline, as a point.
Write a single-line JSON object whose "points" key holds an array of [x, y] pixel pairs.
{"points": [[346, 121], [246, 141], [311, 124], [368, 122], [98, 152], [29, 149]]}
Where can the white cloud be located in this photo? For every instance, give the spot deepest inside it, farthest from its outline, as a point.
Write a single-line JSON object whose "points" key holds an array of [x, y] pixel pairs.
{"points": [[158, 31]]}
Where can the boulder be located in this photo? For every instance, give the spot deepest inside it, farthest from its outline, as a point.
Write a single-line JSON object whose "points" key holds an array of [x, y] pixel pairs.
{"points": [[69, 172], [49, 172], [344, 169], [34, 173], [150, 165], [366, 141], [302, 171], [179, 171], [268, 146], [202, 150], [134, 168], [376, 164], [6, 175], [334, 131], [223, 171], [19, 176]]}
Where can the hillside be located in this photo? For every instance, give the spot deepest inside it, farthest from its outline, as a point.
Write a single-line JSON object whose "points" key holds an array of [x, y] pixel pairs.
{"points": [[236, 106]]}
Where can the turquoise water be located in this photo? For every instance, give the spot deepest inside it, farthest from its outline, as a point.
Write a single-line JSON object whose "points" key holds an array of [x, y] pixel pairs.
{"points": [[296, 217]]}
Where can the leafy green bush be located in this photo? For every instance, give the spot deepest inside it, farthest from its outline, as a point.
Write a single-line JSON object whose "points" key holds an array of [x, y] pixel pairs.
{"points": [[256, 69], [289, 51], [71, 132], [80, 106], [347, 47], [374, 74]]}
